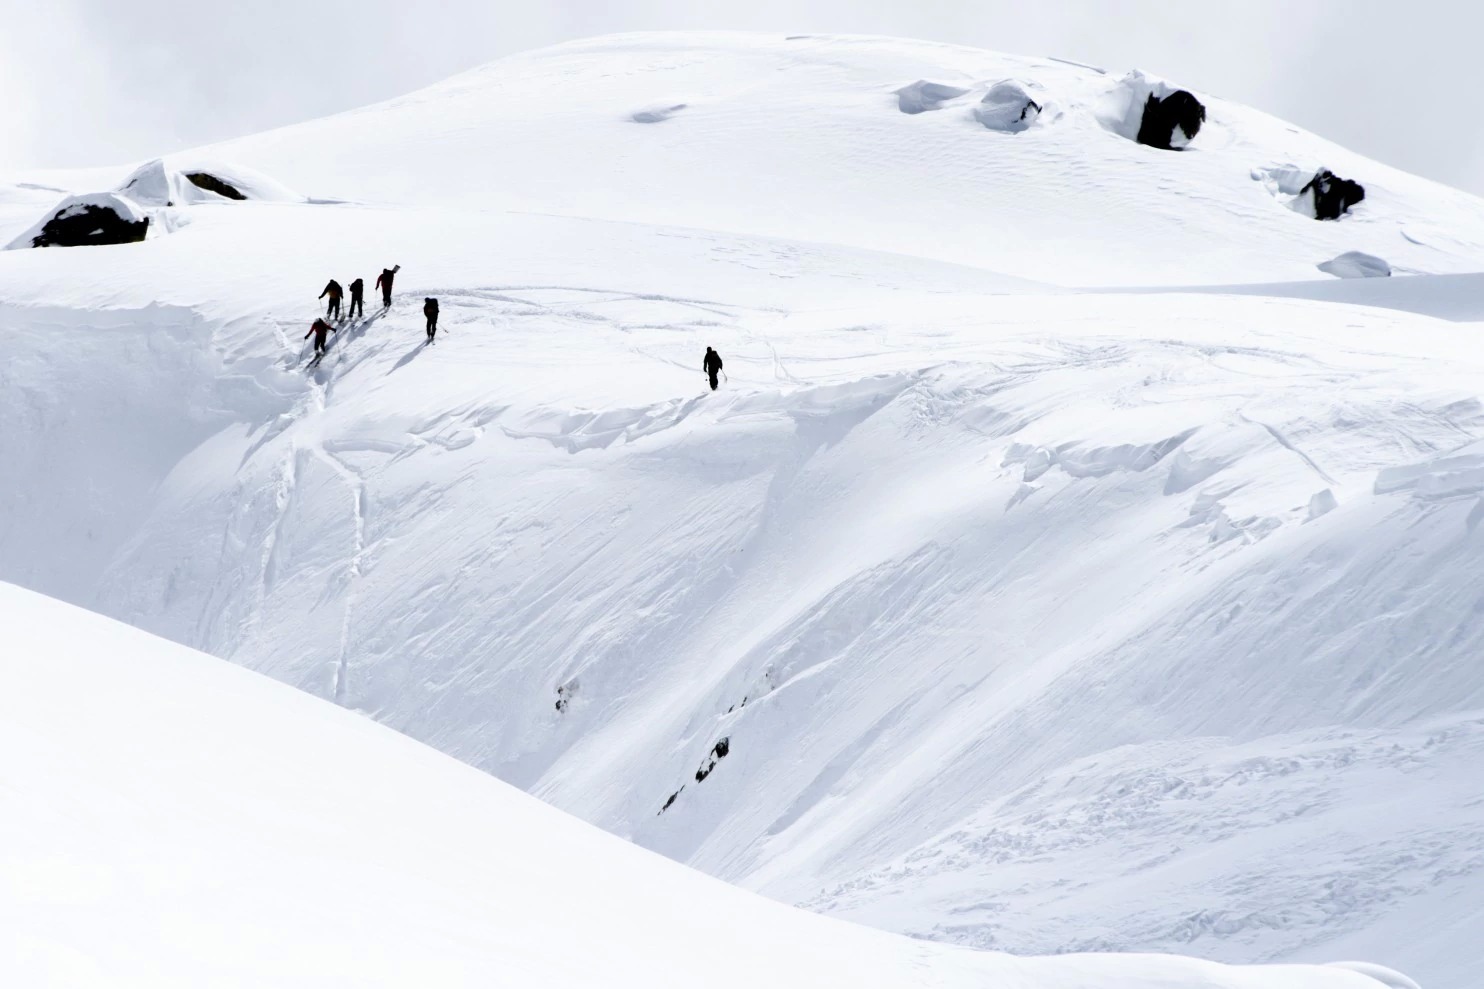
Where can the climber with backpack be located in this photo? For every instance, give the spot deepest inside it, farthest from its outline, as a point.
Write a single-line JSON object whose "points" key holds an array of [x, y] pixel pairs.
{"points": [[384, 282], [357, 300], [321, 331], [711, 364], [334, 291]]}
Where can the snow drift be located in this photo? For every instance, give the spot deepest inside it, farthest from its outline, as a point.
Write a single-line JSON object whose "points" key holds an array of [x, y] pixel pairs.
{"points": [[183, 180], [923, 96], [1007, 107], [154, 185], [1356, 264]]}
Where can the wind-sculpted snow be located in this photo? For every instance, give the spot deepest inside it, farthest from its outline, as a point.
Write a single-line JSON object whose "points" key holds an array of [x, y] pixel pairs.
{"points": [[1042, 866], [171, 821], [923, 96], [956, 570], [1008, 107], [1356, 264]]}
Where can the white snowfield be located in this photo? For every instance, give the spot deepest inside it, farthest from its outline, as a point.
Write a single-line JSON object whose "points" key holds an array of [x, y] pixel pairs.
{"points": [[1065, 564], [175, 821]]}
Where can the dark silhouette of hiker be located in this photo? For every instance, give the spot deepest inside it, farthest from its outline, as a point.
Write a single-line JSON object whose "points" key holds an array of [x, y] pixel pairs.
{"points": [[357, 303], [430, 310], [712, 366], [334, 291], [321, 330], [384, 282]]}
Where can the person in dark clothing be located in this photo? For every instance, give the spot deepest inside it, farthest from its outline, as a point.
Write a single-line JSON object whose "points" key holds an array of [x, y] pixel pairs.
{"points": [[334, 291], [321, 330], [384, 282], [430, 310], [712, 366], [357, 303]]}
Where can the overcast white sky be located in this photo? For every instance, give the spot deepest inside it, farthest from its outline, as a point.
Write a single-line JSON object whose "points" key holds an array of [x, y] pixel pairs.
{"points": [[90, 82]]}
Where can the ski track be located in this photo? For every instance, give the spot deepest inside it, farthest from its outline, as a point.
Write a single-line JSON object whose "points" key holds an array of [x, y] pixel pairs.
{"points": [[356, 486]]}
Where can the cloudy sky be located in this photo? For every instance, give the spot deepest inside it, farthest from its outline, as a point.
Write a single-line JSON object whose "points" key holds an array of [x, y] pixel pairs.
{"points": [[88, 82]]}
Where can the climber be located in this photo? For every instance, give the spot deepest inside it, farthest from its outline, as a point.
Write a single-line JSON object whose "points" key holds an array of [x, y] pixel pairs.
{"points": [[334, 291], [384, 282], [430, 310], [321, 330], [712, 366], [357, 303]]}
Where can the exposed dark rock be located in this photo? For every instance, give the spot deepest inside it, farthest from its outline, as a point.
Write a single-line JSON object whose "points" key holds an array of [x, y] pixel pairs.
{"points": [[565, 693], [1332, 195], [209, 182], [92, 223], [1171, 123], [718, 752]]}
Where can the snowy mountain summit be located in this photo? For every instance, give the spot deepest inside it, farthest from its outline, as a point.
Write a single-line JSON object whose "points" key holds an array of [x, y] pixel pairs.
{"points": [[1079, 553]]}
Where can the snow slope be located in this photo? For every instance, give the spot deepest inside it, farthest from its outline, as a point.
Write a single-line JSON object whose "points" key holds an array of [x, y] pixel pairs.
{"points": [[802, 138], [179, 822], [1033, 614]]}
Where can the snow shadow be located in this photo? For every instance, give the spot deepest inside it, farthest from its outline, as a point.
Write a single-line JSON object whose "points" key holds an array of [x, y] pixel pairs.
{"points": [[655, 114], [923, 96], [408, 357]]}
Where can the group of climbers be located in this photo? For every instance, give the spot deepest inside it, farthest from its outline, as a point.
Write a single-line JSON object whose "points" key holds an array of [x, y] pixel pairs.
{"points": [[322, 328]]}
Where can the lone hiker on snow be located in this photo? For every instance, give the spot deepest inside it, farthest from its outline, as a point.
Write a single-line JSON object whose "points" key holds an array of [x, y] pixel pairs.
{"points": [[430, 310], [321, 330], [712, 366], [334, 291], [357, 304], [384, 282]]}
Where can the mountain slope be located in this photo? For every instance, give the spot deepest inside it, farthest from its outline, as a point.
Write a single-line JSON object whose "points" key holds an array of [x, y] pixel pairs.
{"points": [[179, 822], [802, 138], [958, 573]]}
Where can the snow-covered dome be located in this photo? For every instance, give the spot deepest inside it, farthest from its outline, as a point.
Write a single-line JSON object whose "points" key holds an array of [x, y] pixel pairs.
{"points": [[1007, 107]]}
